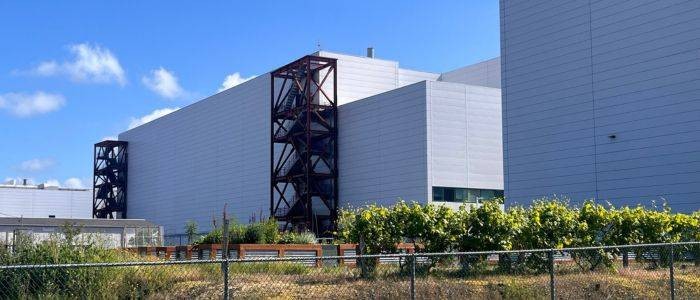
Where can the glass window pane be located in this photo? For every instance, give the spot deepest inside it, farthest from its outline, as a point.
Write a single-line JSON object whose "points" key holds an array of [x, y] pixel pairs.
{"points": [[487, 194], [460, 195], [473, 196], [449, 194], [438, 194]]}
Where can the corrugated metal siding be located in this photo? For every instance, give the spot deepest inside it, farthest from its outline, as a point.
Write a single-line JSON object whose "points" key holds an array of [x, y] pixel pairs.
{"points": [[486, 73], [361, 77], [40, 203], [188, 164], [382, 141], [465, 136], [576, 72], [407, 77]]}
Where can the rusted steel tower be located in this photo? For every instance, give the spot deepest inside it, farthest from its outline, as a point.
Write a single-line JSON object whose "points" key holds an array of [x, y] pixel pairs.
{"points": [[109, 180], [304, 147]]}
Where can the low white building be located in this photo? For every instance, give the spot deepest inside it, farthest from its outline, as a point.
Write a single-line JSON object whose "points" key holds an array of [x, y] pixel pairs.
{"points": [[20, 199], [109, 233]]}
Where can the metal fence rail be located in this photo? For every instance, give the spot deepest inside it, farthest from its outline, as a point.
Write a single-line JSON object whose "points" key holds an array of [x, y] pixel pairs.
{"points": [[633, 271]]}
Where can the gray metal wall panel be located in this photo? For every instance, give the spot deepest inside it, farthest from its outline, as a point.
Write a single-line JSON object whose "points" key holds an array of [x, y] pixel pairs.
{"points": [[576, 73], [188, 164], [40, 203], [465, 144], [486, 73], [382, 141]]}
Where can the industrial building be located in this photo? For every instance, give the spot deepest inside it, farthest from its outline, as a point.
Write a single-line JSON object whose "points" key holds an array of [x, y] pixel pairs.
{"points": [[19, 198], [325, 131], [106, 233], [601, 99]]}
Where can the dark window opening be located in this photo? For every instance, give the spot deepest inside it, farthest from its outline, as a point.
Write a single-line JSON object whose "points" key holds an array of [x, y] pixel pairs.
{"points": [[449, 194]]}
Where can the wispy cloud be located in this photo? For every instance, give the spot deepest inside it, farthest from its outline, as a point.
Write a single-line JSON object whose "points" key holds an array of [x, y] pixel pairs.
{"points": [[36, 164], [52, 182], [135, 122], [163, 83], [233, 80], [71, 183], [91, 63], [26, 105]]}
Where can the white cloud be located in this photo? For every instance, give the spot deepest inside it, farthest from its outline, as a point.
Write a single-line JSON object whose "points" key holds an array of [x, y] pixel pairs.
{"points": [[91, 63], [150, 117], [26, 105], [52, 182], [233, 80], [36, 164], [163, 83], [73, 183]]}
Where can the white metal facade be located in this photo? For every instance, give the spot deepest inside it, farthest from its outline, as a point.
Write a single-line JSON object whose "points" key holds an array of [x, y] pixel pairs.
{"points": [[33, 202], [188, 164], [486, 73], [399, 144], [601, 99]]}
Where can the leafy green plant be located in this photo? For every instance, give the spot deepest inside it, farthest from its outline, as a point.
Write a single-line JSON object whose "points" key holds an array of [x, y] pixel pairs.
{"points": [[266, 232], [594, 229], [191, 230], [298, 238]]}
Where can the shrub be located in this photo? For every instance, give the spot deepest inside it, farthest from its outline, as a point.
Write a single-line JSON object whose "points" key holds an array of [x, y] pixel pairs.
{"points": [[257, 233], [298, 238], [345, 224], [191, 230], [487, 228]]}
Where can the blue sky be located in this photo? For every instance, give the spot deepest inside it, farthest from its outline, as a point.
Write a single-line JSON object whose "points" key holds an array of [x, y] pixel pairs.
{"points": [[73, 74]]}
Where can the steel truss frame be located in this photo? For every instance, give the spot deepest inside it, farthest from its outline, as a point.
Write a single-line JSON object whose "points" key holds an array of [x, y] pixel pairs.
{"points": [[109, 180], [304, 147]]}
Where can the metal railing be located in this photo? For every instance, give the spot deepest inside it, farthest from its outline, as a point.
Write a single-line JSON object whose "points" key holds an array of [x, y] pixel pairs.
{"points": [[650, 271]]}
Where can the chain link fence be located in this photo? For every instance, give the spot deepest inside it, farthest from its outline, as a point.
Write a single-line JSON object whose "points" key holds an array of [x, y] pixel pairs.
{"points": [[653, 271]]}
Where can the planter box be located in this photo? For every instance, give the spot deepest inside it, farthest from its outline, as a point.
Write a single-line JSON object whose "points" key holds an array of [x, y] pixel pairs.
{"points": [[214, 251], [166, 252], [352, 249], [184, 253], [146, 251]]}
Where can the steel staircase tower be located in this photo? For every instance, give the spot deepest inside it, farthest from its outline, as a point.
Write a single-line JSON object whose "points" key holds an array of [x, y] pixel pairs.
{"points": [[304, 148], [109, 180]]}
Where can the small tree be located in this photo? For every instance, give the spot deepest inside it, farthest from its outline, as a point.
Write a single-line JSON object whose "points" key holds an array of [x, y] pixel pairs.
{"points": [[191, 229]]}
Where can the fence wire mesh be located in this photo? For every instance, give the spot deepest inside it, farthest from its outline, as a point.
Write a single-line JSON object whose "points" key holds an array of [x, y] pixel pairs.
{"points": [[639, 272]]}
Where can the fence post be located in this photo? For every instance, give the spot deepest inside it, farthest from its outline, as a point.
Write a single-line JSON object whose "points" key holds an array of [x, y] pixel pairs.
{"points": [[552, 289], [413, 275], [361, 246], [224, 255], [672, 279]]}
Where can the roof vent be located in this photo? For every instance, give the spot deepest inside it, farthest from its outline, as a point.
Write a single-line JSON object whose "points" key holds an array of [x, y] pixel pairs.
{"points": [[370, 52]]}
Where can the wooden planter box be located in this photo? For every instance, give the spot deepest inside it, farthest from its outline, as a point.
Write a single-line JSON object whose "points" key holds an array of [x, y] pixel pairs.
{"points": [[146, 251], [184, 252], [353, 249], [166, 252], [214, 251]]}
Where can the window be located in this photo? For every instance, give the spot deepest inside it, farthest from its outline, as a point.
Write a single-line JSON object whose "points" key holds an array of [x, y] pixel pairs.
{"points": [[473, 196], [450, 194], [486, 194], [438, 194]]}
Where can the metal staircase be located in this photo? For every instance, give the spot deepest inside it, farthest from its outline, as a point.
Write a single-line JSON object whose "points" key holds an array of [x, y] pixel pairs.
{"points": [[304, 187]]}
